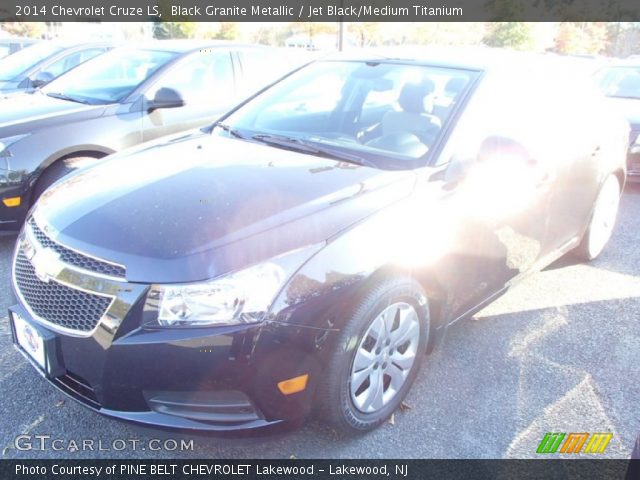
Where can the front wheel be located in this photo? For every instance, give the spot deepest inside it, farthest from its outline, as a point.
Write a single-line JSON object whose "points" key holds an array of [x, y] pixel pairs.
{"points": [[377, 356], [603, 220]]}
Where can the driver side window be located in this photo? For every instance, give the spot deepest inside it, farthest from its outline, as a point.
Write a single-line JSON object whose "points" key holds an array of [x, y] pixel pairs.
{"points": [[204, 79]]}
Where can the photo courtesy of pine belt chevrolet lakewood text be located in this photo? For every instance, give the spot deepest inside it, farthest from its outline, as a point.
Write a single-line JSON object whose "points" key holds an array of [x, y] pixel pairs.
{"points": [[303, 253]]}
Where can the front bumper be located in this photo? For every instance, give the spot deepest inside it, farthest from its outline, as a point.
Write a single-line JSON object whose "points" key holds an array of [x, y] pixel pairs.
{"points": [[12, 218], [101, 353], [217, 379]]}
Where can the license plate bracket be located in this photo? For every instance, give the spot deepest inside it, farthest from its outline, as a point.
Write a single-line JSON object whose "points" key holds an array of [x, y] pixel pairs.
{"points": [[39, 345]]}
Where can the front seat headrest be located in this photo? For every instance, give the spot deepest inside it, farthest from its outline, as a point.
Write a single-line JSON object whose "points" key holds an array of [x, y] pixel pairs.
{"points": [[411, 97]]}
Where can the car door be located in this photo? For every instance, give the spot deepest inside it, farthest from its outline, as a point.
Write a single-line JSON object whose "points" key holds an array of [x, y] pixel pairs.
{"points": [[580, 140], [494, 190], [206, 82]]}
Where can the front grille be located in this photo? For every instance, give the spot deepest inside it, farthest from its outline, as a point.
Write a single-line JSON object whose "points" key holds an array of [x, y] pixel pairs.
{"points": [[74, 258], [56, 303]]}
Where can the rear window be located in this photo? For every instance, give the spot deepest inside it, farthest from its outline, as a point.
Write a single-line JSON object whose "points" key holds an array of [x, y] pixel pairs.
{"points": [[621, 82]]}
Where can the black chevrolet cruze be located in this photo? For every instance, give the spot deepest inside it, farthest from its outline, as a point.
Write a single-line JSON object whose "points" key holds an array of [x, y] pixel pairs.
{"points": [[308, 249]]}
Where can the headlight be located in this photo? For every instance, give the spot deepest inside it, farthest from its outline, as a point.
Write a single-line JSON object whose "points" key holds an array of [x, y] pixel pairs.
{"points": [[238, 298], [5, 143], [242, 297]]}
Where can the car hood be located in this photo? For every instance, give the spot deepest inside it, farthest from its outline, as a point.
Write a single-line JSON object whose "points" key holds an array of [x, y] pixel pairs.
{"points": [[202, 205], [629, 108], [25, 113]]}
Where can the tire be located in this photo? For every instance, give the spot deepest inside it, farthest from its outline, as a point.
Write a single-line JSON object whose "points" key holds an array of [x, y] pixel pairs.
{"points": [[602, 220], [55, 172], [346, 395]]}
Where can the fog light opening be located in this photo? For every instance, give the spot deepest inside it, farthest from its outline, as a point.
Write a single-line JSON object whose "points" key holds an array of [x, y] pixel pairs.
{"points": [[293, 385]]}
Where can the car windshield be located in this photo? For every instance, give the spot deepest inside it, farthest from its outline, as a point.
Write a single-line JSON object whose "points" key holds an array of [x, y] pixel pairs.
{"points": [[382, 114], [108, 78], [621, 82], [13, 66]]}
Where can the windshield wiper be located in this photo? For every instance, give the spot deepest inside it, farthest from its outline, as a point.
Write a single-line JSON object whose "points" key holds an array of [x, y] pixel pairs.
{"points": [[299, 145], [63, 96], [229, 129]]}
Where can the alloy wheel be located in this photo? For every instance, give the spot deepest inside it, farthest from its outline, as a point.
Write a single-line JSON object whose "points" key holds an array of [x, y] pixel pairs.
{"points": [[384, 358]]}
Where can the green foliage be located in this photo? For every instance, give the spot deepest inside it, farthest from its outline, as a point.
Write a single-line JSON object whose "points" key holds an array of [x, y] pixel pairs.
{"points": [[582, 37], [177, 27], [515, 35], [165, 30]]}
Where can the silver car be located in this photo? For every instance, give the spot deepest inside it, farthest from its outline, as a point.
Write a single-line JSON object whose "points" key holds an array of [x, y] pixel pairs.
{"points": [[120, 99]]}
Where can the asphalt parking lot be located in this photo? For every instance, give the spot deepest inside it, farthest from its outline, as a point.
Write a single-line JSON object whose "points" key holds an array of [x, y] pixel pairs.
{"points": [[559, 353]]}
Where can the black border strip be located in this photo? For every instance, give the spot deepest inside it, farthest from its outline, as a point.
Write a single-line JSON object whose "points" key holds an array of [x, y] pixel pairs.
{"points": [[200, 469], [319, 10]]}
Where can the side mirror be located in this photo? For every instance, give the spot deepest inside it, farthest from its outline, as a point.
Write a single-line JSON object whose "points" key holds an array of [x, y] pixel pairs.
{"points": [[457, 169], [166, 98], [503, 149], [494, 150], [42, 78]]}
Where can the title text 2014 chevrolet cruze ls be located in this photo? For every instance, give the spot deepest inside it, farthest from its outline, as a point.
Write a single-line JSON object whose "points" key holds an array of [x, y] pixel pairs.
{"points": [[308, 248]]}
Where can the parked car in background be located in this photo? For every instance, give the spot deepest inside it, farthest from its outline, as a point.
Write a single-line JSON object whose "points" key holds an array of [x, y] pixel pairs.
{"points": [[309, 247], [125, 97], [11, 45], [621, 85], [38, 65]]}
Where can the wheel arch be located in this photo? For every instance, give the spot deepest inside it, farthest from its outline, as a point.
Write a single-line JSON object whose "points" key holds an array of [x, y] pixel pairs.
{"points": [[85, 151], [428, 280], [94, 151]]}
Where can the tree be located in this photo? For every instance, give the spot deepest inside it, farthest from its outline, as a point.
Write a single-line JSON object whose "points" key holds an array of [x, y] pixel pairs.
{"points": [[365, 33], [624, 38], [444, 33], [515, 35], [166, 30], [178, 27], [227, 31], [24, 29], [581, 37]]}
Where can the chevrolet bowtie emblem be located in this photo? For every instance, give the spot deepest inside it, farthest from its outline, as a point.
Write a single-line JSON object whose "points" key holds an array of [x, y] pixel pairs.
{"points": [[46, 263]]}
